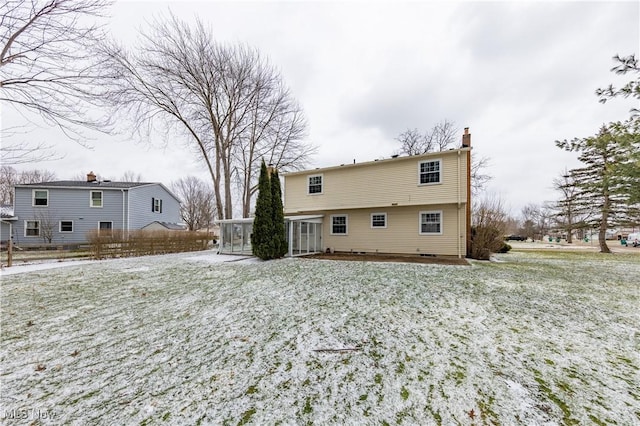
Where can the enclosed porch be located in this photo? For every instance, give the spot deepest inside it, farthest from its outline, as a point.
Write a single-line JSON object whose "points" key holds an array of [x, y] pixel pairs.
{"points": [[304, 235]]}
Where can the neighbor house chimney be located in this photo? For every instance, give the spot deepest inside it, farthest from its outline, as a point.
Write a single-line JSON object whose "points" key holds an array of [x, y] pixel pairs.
{"points": [[91, 177]]}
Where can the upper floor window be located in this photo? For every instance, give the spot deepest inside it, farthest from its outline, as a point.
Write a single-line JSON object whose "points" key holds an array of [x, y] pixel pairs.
{"points": [[339, 224], [378, 220], [31, 228], [430, 172], [96, 199], [40, 197], [315, 184], [156, 205], [431, 222]]}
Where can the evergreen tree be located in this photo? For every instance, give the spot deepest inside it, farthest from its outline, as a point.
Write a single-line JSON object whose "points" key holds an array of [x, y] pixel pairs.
{"points": [[279, 232], [262, 240], [607, 183]]}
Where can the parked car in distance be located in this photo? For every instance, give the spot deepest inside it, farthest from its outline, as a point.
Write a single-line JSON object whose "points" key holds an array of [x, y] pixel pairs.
{"points": [[516, 238], [634, 239]]}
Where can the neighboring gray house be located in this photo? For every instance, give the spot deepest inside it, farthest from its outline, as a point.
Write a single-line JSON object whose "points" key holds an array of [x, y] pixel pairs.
{"points": [[65, 211]]}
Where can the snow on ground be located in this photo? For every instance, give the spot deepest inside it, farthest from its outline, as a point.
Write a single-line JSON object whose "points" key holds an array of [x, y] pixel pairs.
{"points": [[536, 339]]}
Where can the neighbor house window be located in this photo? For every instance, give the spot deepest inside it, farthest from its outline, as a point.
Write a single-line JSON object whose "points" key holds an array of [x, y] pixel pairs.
{"points": [[105, 227], [339, 224], [32, 228], [96, 199], [40, 197], [378, 220], [156, 205], [431, 222], [430, 172], [66, 226], [315, 184]]}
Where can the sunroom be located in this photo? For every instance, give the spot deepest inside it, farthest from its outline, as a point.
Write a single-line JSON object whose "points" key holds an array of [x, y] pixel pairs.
{"points": [[304, 235]]}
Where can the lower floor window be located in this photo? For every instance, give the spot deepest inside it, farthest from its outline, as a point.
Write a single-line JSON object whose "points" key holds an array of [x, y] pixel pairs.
{"points": [[32, 228], [66, 226], [339, 224], [431, 222], [105, 227]]}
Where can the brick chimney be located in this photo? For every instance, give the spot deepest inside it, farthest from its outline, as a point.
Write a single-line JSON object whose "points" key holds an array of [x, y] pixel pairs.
{"points": [[91, 177], [466, 138]]}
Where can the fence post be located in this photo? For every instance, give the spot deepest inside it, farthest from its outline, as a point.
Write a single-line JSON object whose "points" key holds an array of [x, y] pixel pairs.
{"points": [[10, 251]]}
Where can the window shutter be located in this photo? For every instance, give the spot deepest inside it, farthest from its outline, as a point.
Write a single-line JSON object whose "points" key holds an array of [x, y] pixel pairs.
{"points": [[160, 206], [153, 204]]}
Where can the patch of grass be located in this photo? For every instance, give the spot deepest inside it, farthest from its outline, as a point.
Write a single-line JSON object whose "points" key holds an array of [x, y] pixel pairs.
{"points": [[308, 409], [246, 416], [377, 378], [404, 393]]}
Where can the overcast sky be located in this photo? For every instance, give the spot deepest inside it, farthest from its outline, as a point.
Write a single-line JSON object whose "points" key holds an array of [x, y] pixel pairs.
{"points": [[519, 75]]}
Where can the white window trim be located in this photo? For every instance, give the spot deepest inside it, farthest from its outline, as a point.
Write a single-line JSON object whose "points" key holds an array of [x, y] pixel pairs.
{"points": [[346, 224], [33, 197], [66, 232], [378, 214], [321, 175], [439, 161], [32, 236], [420, 222], [91, 199]]}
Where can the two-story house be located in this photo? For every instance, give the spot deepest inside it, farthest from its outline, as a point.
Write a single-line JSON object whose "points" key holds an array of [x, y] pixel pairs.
{"points": [[402, 205], [418, 205], [65, 211]]}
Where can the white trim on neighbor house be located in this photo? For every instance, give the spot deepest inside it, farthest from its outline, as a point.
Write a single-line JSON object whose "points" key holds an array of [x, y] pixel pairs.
{"points": [[378, 219], [321, 184], [37, 228], [33, 198], [430, 172], [345, 224], [439, 222], [91, 204], [60, 227]]}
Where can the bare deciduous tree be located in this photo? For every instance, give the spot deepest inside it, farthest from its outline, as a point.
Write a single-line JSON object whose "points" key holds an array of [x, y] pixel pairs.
{"points": [[489, 220], [197, 208], [479, 178], [9, 177], [229, 103], [131, 176], [47, 66], [440, 137]]}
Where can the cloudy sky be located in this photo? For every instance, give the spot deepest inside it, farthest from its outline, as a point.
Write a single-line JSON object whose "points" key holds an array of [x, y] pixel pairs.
{"points": [[520, 75]]}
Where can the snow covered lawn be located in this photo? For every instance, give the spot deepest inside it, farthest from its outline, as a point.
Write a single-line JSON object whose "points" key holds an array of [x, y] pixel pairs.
{"points": [[537, 338]]}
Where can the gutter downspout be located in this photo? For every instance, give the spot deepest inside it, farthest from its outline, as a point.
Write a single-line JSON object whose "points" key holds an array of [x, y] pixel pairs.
{"points": [[124, 230], [458, 209]]}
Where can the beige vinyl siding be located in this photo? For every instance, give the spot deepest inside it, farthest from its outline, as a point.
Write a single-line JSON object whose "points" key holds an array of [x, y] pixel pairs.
{"points": [[402, 234], [375, 184]]}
